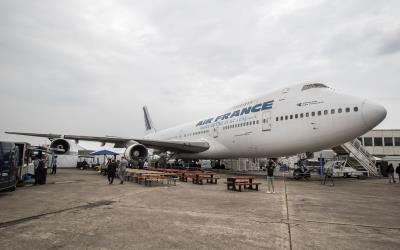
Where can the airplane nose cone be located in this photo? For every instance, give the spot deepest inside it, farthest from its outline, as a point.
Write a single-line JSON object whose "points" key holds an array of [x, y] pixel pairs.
{"points": [[372, 113]]}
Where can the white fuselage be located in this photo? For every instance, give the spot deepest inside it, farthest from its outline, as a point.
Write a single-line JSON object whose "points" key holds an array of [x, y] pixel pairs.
{"points": [[301, 118]]}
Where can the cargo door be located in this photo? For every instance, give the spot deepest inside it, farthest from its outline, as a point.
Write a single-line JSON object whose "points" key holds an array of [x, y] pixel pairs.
{"points": [[266, 121]]}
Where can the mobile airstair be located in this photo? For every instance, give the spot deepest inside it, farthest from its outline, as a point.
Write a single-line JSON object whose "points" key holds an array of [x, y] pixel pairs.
{"points": [[357, 157]]}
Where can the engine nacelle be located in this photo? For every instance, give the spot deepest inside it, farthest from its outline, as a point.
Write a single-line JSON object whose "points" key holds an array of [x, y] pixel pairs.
{"points": [[135, 152], [60, 146]]}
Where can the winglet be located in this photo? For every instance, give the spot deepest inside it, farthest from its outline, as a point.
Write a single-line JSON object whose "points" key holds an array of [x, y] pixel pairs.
{"points": [[148, 123]]}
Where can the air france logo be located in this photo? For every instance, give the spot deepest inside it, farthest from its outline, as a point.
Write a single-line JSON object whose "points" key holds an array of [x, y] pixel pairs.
{"points": [[247, 110]]}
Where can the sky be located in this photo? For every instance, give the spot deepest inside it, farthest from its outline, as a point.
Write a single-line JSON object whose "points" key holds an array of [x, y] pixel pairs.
{"points": [[88, 67]]}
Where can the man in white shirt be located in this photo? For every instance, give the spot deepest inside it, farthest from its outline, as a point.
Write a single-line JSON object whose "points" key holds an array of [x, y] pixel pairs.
{"points": [[122, 168]]}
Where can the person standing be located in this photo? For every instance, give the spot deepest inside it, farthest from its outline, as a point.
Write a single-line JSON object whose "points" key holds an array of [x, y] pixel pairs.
{"points": [[45, 160], [398, 171], [270, 176], [41, 171], [122, 168], [112, 168], [390, 172], [54, 165], [35, 168]]}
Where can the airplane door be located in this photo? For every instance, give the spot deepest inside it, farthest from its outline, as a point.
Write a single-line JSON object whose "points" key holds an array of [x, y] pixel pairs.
{"points": [[266, 121], [284, 94], [215, 132]]}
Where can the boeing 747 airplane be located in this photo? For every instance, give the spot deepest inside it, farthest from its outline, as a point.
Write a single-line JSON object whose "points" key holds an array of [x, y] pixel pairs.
{"points": [[296, 119]]}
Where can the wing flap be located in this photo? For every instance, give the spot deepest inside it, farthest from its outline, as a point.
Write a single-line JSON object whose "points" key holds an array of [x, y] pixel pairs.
{"points": [[173, 146], [50, 136], [176, 146]]}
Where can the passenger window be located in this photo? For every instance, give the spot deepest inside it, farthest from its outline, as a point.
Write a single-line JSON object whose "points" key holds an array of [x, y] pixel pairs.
{"points": [[339, 110], [307, 114], [347, 110], [291, 117], [257, 122], [332, 111], [325, 112], [281, 118], [355, 109], [301, 115], [277, 119], [254, 122], [286, 117], [296, 116]]}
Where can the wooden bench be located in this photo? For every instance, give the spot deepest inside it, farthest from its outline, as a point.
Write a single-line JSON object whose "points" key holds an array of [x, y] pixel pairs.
{"points": [[159, 180], [236, 183], [209, 179], [188, 175], [237, 186]]}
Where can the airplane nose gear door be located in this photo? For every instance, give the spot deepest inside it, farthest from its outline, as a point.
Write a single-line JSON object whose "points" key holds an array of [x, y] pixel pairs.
{"points": [[266, 121]]}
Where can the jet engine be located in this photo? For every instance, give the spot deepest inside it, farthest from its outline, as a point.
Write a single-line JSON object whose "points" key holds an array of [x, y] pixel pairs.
{"points": [[136, 151], [60, 146]]}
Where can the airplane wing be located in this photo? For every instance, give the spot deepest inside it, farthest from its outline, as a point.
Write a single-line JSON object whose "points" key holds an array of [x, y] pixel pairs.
{"points": [[173, 146]]}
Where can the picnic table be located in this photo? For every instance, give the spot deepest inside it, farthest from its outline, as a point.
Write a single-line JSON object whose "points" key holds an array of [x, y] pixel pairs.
{"points": [[237, 182], [147, 177], [209, 177], [188, 174]]}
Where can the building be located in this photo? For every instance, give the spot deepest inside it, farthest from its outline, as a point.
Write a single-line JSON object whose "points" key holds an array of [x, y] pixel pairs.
{"points": [[382, 142]]}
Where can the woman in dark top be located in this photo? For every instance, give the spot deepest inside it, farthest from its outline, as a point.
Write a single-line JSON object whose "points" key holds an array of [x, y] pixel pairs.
{"points": [[112, 168]]}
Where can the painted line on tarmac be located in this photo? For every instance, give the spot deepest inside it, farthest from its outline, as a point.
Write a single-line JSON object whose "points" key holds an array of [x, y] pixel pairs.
{"points": [[287, 213], [86, 206], [342, 224]]}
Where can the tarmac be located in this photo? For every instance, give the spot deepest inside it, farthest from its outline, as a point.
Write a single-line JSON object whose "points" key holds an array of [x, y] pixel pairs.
{"points": [[80, 210]]}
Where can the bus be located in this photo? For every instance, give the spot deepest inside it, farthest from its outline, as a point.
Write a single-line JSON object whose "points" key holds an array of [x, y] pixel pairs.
{"points": [[8, 166]]}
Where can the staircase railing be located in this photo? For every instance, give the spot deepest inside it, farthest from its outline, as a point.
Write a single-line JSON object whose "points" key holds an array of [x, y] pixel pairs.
{"points": [[363, 157]]}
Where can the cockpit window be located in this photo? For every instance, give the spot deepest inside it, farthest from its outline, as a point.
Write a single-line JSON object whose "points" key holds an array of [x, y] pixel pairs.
{"points": [[314, 86]]}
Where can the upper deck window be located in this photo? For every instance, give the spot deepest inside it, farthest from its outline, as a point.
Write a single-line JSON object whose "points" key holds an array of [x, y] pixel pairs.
{"points": [[314, 86]]}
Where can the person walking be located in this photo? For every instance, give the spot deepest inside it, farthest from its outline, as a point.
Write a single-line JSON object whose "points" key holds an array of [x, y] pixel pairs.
{"points": [[270, 176], [390, 172], [122, 168], [398, 171], [112, 168], [54, 165]]}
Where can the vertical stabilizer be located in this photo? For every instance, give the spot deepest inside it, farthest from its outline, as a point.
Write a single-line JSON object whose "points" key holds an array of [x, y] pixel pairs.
{"points": [[148, 123]]}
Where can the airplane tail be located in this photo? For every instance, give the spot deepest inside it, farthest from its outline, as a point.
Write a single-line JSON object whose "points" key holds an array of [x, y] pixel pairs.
{"points": [[148, 123]]}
